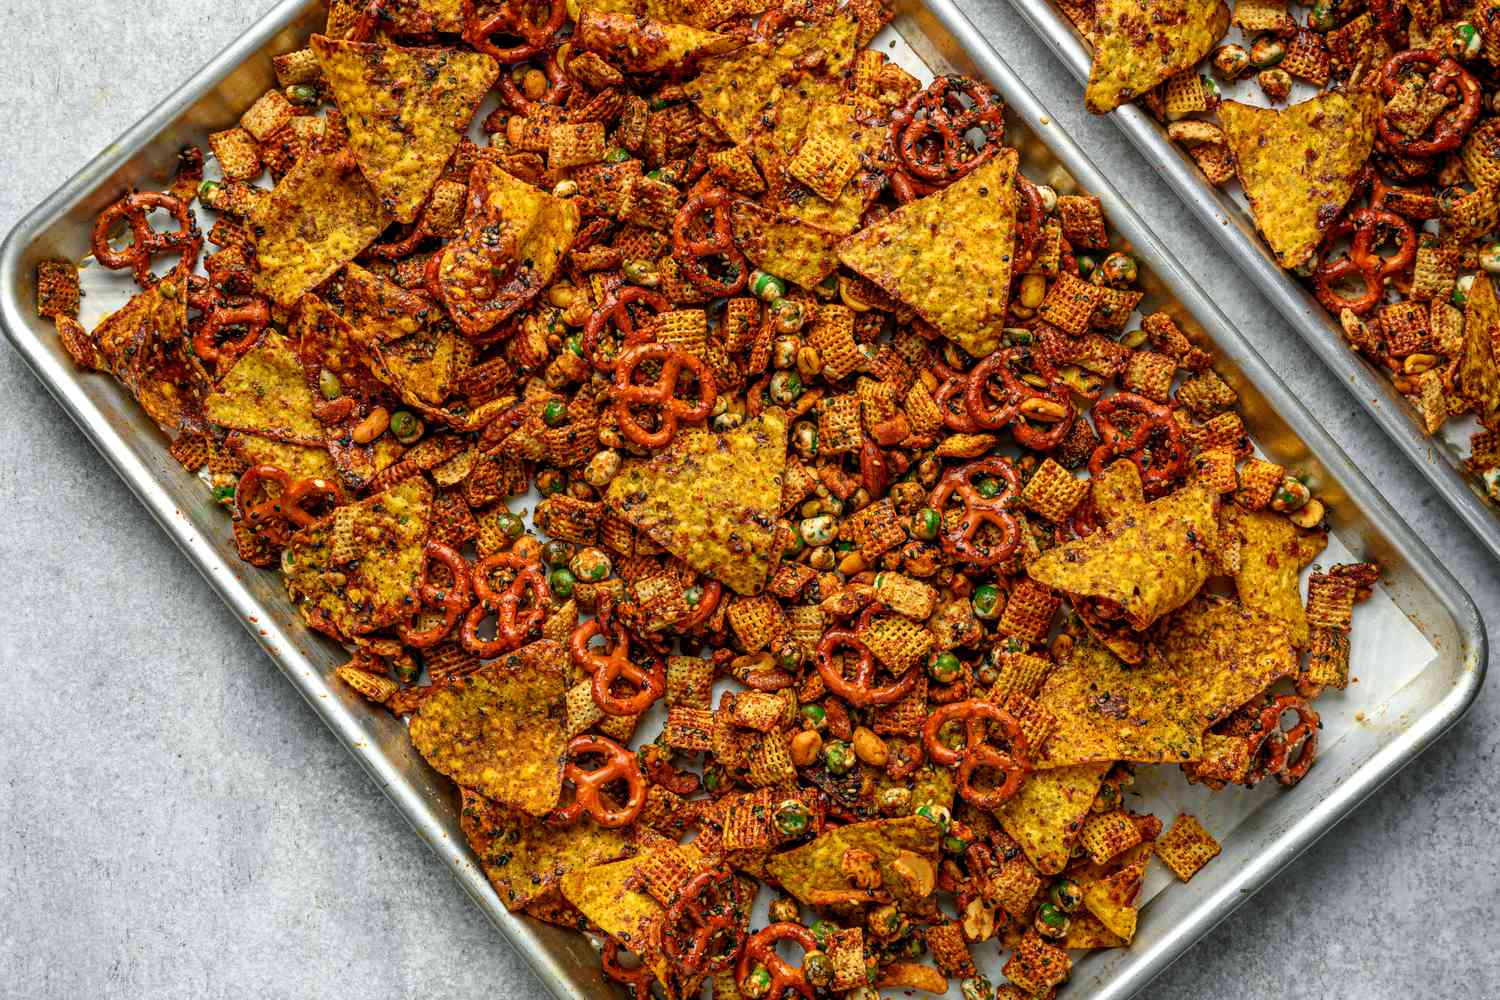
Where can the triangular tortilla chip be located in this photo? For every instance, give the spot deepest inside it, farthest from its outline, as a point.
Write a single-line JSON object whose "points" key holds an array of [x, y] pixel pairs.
{"points": [[747, 92], [318, 218], [948, 255], [377, 586], [423, 365], [1047, 814], [1150, 560], [299, 460], [712, 499], [1112, 898], [1086, 931], [500, 730], [1478, 375], [641, 45], [380, 310], [1273, 553], [407, 109], [326, 342], [783, 246], [266, 393], [145, 344], [513, 241], [525, 858], [1223, 654], [606, 894], [1299, 165], [812, 872], [1108, 711], [1140, 43]]}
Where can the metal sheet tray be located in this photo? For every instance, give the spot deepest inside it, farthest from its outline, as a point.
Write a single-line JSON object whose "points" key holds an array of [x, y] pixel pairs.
{"points": [[1231, 223], [1423, 597]]}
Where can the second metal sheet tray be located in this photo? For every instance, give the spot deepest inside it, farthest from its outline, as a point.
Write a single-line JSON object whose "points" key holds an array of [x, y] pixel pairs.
{"points": [[1420, 648], [1225, 214]]}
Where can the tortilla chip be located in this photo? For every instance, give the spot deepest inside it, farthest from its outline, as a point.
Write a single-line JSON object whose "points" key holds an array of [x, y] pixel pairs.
{"points": [[1108, 711], [407, 109], [299, 460], [266, 393], [606, 894], [642, 45], [1150, 560], [1478, 375], [423, 365], [378, 309], [1111, 898], [712, 499], [837, 123], [525, 859], [1086, 931], [812, 872], [543, 227], [1140, 43], [1273, 552], [1299, 165], [325, 341], [749, 91], [379, 586], [145, 344], [422, 17], [315, 221], [1117, 490], [948, 255], [1223, 654], [783, 246], [500, 729], [1047, 814]]}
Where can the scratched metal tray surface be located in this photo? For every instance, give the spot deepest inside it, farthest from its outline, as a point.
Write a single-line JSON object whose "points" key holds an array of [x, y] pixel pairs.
{"points": [[1228, 218], [1418, 598]]}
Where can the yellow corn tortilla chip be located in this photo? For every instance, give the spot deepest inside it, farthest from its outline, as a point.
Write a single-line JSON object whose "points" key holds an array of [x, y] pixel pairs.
{"points": [[642, 45], [1047, 814], [1273, 553], [300, 460], [379, 309], [1149, 560], [378, 587], [783, 246], [608, 896], [1111, 898], [1086, 931], [326, 342], [747, 92], [145, 343], [407, 109], [1299, 165], [544, 227], [812, 871], [525, 858], [1223, 654], [712, 499], [948, 255], [422, 17], [423, 365], [1117, 490], [1108, 711], [317, 219], [1140, 43], [500, 730], [266, 393], [1478, 375]]}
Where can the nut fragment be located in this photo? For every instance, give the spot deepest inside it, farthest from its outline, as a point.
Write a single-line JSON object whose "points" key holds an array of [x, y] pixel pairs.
{"points": [[918, 876], [806, 746], [870, 748]]}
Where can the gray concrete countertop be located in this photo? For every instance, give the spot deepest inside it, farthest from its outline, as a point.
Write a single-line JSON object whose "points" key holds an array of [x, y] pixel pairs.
{"points": [[175, 823]]}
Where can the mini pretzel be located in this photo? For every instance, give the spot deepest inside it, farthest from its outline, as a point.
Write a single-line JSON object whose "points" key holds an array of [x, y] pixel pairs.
{"points": [[639, 979], [860, 690], [1363, 260], [1160, 466], [690, 250], [1031, 215], [700, 935], [146, 242], [1272, 746], [619, 764], [615, 312], [713, 592], [513, 625], [615, 666], [1014, 392], [760, 949], [1447, 77], [276, 517], [961, 539], [929, 131], [951, 398], [453, 600], [252, 313], [661, 394], [513, 20], [977, 753]]}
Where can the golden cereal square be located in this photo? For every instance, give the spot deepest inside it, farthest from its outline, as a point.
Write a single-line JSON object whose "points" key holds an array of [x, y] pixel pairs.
{"points": [[1054, 492], [1186, 847], [1259, 481], [268, 115], [1082, 220], [1149, 374], [1069, 304], [1029, 612], [237, 152], [826, 161], [838, 424], [1184, 94], [1107, 835]]}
